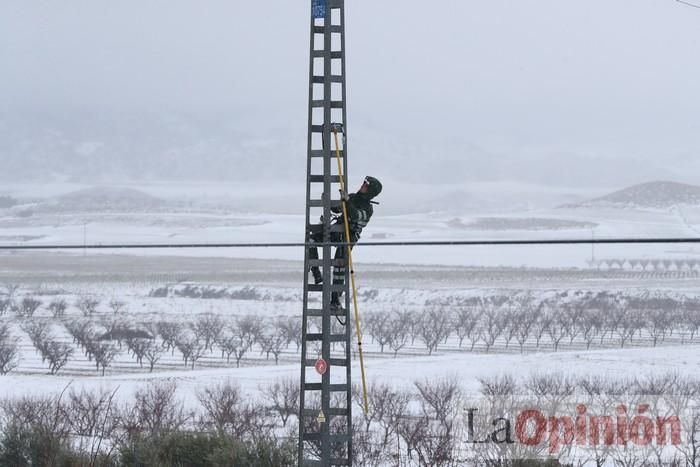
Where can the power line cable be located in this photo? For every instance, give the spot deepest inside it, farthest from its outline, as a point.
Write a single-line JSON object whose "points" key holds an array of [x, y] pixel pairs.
{"points": [[514, 242]]}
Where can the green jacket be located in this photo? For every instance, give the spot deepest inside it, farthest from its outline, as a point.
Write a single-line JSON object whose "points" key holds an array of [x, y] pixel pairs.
{"points": [[360, 211]]}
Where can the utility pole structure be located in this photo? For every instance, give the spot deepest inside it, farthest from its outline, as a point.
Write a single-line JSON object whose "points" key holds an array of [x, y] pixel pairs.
{"points": [[325, 418]]}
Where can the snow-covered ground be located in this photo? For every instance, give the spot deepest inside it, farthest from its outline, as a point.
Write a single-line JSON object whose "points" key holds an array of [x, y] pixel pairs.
{"points": [[254, 212], [468, 368], [402, 277]]}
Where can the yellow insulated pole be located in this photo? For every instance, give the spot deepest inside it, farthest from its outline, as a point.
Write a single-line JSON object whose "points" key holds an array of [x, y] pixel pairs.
{"points": [[352, 272]]}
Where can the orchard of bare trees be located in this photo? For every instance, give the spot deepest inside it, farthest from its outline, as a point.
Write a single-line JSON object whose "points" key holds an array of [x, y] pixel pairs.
{"points": [[525, 321], [419, 425], [112, 339], [67, 334]]}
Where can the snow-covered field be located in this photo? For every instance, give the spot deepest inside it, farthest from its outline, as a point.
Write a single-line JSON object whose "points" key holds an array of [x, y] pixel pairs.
{"points": [[400, 278], [255, 212]]}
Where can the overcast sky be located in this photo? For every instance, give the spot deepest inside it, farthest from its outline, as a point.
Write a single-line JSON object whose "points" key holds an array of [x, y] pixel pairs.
{"points": [[617, 79]]}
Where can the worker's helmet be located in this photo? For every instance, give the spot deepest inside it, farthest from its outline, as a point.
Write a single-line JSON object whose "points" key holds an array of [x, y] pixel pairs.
{"points": [[374, 187]]}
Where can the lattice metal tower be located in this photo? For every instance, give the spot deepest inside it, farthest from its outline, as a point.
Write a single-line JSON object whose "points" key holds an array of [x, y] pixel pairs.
{"points": [[325, 428]]}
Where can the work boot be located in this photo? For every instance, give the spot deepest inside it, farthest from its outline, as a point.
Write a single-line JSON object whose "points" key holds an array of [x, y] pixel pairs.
{"points": [[318, 277]]}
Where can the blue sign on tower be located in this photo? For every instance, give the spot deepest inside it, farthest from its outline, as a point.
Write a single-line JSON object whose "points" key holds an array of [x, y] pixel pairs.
{"points": [[318, 8]]}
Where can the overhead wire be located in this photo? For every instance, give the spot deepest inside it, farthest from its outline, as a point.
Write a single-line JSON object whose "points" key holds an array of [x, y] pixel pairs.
{"points": [[411, 243]]}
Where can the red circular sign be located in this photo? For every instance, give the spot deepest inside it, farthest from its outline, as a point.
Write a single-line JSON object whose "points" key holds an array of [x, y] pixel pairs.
{"points": [[321, 366]]}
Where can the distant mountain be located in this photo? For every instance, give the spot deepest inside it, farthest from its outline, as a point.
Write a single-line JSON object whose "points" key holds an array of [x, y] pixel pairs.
{"points": [[653, 195]]}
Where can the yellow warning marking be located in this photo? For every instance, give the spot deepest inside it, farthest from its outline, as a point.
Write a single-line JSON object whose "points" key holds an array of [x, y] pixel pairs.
{"points": [[321, 417]]}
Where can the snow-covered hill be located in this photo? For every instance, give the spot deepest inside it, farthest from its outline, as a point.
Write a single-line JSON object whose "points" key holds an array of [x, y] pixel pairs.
{"points": [[652, 195]]}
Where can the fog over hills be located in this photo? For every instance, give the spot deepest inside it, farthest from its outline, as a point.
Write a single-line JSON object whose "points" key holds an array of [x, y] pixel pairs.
{"points": [[113, 147]]}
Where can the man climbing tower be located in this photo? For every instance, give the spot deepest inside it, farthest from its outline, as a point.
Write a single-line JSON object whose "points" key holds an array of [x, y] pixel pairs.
{"points": [[360, 210]]}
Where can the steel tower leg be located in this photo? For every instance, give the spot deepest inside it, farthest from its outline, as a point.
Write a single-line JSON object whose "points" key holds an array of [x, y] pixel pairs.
{"points": [[325, 427]]}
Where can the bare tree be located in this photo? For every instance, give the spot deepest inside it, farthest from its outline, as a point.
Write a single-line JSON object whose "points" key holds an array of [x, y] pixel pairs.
{"points": [[104, 354], [379, 326], [28, 306], [441, 398], [225, 409], [154, 411], [542, 318], [466, 324], [117, 306], [509, 321], [496, 386], [387, 407], [235, 343], [197, 353], [5, 305], [558, 328], [9, 354], [431, 436], [591, 321], [91, 417], [38, 332], [628, 326], [190, 348], [434, 327], [575, 312], [83, 334], [272, 342], [207, 328], [49, 348], [170, 333], [283, 398], [57, 353], [290, 328], [153, 354], [399, 332], [412, 321], [58, 308], [250, 328], [618, 318], [691, 316], [87, 305], [658, 322], [428, 441], [526, 322], [491, 321], [138, 348]]}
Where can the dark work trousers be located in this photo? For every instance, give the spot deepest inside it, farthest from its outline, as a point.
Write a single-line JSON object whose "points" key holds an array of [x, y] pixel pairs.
{"points": [[338, 272]]}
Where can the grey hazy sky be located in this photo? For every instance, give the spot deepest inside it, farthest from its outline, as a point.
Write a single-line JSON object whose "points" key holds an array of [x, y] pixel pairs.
{"points": [[599, 78]]}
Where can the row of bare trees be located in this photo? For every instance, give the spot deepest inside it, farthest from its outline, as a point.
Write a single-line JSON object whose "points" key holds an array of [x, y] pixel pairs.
{"points": [[426, 425], [234, 337], [9, 350], [101, 341], [53, 351], [528, 320], [419, 425], [28, 305], [97, 425]]}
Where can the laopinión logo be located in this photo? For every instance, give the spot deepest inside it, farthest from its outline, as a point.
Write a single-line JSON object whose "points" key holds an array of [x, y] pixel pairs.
{"points": [[523, 427]]}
